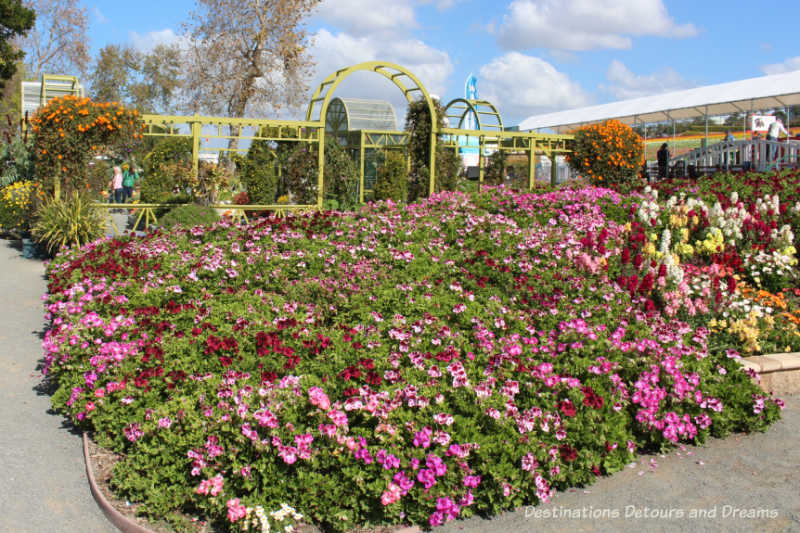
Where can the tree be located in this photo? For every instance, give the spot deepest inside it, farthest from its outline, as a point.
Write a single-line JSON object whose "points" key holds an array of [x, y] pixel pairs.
{"points": [[159, 77], [15, 21], [111, 73], [58, 43], [245, 55], [145, 81]]}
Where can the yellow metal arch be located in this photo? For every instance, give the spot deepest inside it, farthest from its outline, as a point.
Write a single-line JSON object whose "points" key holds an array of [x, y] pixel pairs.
{"points": [[406, 81], [460, 108]]}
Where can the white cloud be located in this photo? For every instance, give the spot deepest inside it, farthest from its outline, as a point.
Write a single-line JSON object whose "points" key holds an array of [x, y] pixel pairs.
{"points": [[101, 19], [332, 52], [521, 85], [585, 24], [624, 84], [441, 5], [793, 63], [366, 17], [150, 40]]}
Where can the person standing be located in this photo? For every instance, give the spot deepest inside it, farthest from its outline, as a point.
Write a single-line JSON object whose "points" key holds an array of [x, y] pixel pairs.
{"points": [[773, 133], [116, 185], [129, 179], [663, 161]]}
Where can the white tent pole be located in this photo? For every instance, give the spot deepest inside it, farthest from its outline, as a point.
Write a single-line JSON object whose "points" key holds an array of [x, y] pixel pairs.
{"points": [[706, 115]]}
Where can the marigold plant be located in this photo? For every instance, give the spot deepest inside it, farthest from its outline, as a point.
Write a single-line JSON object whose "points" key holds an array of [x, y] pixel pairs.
{"points": [[69, 131], [610, 152]]}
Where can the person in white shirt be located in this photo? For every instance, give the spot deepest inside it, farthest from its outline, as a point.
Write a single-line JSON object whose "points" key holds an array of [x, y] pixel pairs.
{"points": [[774, 131]]}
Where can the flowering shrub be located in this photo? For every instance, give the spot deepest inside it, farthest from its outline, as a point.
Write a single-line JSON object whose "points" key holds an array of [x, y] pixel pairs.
{"points": [[610, 152], [464, 355], [16, 202], [70, 130]]}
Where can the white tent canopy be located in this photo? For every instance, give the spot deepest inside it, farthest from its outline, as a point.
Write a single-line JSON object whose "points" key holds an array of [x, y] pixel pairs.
{"points": [[766, 92]]}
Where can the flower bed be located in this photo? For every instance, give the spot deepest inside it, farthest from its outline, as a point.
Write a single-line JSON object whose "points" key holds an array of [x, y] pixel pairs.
{"points": [[738, 234], [465, 355]]}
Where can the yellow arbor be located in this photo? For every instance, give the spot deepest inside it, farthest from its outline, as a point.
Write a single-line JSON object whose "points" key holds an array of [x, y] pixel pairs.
{"points": [[407, 82]]}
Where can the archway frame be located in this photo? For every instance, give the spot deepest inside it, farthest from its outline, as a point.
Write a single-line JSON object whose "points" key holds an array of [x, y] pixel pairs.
{"points": [[404, 79], [477, 108]]}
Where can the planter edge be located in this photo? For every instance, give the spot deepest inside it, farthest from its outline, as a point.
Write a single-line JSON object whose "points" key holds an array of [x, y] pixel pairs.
{"points": [[123, 523]]}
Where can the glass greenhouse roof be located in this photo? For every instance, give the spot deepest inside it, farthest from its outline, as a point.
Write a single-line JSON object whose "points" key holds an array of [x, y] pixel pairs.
{"points": [[352, 114]]}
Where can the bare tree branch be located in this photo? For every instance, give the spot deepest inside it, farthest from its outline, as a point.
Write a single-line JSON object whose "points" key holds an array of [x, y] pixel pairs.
{"points": [[58, 43]]}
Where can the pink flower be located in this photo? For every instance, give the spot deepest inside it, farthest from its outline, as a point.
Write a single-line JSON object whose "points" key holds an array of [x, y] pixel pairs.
{"points": [[318, 398], [338, 418], [132, 432], [391, 494], [164, 423], [236, 510], [422, 439], [472, 481]]}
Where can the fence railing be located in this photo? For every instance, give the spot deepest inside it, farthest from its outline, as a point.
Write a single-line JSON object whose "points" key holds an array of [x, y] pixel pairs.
{"points": [[754, 154], [236, 212]]}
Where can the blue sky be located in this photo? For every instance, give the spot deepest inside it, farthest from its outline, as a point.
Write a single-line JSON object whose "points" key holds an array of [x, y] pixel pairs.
{"points": [[530, 56]]}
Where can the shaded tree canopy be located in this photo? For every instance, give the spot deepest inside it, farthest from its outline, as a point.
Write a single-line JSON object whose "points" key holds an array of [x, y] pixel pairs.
{"points": [[15, 21]]}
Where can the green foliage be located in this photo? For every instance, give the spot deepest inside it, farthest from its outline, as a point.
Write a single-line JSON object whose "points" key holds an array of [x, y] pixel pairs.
{"points": [[15, 21], [448, 163], [448, 169], [189, 215], [69, 131], [257, 172], [211, 179], [67, 222], [495, 168], [392, 179], [167, 166], [607, 153], [16, 160], [340, 176]]}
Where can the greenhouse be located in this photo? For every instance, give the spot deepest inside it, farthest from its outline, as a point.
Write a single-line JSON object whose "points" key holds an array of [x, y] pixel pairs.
{"points": [[365, 128]]}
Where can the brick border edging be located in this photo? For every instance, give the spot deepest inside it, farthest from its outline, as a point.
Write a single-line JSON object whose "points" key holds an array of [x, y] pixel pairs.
{"points": [[122, 522], [777, 372]]}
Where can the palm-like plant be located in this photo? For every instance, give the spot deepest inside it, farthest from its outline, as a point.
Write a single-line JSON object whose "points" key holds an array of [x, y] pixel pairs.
{"points": [[66, 223]]}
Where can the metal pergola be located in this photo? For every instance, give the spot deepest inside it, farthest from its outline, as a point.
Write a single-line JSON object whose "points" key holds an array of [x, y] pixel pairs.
{"points": [[312, 130]]}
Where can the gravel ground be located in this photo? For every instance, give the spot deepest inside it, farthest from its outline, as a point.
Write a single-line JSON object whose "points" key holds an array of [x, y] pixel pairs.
{"points": [[741, 483], [45, 487]]}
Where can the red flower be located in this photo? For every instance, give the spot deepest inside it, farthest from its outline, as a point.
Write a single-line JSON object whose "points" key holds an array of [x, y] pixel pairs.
{"points": [[591, 398], [567, 408], [567, 453]]}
